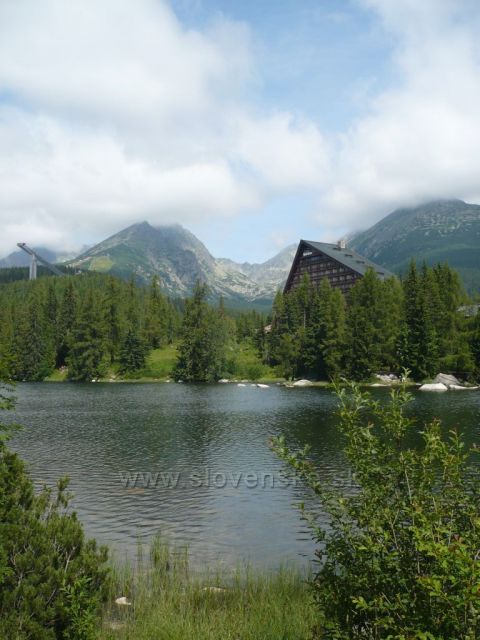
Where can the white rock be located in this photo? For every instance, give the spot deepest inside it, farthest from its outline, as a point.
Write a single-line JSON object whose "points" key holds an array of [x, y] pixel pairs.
{"points": [[446, 379], [435, 386], [123, 602], [386, 379], [262, 386], [302, 383], [214, 589], [240, 384], [378, 384], [458, 387], [223, 381]]}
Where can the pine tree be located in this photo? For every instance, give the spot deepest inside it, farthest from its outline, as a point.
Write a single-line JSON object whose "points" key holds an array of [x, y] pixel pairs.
{"points": [[132, 352], [156, 317], [279, 327], [34, 357], [51, 314], [66, 319], [87, 343], [202, 349], [421, 337], [113, 333], [475, 343], [363, 336], [6, 338], [333, 332], [289, 354]]}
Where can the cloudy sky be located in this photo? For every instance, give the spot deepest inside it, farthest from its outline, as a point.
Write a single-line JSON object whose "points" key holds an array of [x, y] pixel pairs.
{"points": [[250, 122]]}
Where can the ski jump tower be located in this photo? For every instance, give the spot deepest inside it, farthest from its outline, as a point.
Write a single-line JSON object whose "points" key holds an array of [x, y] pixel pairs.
{"points": [[35, 259]]}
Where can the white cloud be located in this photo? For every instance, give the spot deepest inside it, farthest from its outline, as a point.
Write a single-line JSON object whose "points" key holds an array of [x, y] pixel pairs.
{"points": [[421, 139], [116, 113], [287, 152], [112, 112]]}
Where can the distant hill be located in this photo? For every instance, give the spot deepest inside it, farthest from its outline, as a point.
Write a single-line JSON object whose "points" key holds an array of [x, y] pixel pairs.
{"points": [[178, 258], [21, 259], [440, 231]]}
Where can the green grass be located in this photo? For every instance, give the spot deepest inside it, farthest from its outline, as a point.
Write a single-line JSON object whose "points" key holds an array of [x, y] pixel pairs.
{"points": [[169, 602], [245, 363], [100, 263], [59, 375], [160, 363]]}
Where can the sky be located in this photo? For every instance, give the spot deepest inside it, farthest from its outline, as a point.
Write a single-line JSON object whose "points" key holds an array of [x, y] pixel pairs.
{"points": [[251, 123]]}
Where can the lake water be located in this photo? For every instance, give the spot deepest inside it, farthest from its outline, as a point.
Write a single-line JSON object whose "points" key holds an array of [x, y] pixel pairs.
{"points": [[214, 483]]}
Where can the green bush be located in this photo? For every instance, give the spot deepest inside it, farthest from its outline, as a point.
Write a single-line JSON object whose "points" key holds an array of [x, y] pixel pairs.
{"points": [[400, 556], [51, 578]]}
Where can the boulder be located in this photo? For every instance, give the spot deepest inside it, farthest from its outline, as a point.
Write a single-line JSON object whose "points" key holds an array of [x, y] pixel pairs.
{"points": [[389, 378], [262, 386], [446, 379], [459, 387], [123, 602], [223, 381], [302, 383], [435, 386], [241, 384], [214, 589]]}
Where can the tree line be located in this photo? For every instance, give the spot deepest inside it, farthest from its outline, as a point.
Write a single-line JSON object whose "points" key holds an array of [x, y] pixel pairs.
{"points": [[86, 323], [94, 324], [413, 323]]}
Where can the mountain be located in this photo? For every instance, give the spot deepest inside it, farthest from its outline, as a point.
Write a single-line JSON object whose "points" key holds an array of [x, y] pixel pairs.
{"points": [[21, 259], [269, 275], [179, 259], [440, 231]]}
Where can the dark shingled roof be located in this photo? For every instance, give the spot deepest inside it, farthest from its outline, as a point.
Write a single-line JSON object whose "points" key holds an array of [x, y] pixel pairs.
{"points": [[349, 258]]}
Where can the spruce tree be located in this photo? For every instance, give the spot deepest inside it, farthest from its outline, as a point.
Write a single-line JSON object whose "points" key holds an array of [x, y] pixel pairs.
{"points": [[113, 332], [132, 352], [363, 336], [332, 344], [87, 343], [66, 319], [421, 336], [475, 343], [202, 349], [156, 317], [34, 356], [279, 327]]}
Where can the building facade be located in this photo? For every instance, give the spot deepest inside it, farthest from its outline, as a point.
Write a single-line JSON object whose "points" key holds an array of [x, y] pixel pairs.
{"points": [[340, 265]]}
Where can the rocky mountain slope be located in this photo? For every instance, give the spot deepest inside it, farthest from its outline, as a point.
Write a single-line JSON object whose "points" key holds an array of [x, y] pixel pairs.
{"points": [[441, 231], [179, 259]]}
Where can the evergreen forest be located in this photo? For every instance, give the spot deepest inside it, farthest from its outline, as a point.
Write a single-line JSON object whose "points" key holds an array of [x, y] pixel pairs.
{"points": [[91, 326]]}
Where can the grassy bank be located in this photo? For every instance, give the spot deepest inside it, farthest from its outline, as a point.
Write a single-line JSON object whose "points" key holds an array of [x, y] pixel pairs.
{"points": [[243, 363], [169, 601]]}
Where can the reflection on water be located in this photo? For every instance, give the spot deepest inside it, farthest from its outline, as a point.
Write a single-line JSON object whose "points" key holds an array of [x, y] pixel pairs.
{"points": [[193, 462]]}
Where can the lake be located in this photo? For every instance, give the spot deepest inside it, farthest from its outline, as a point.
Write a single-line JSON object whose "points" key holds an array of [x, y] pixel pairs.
{"points": [[193, 463]]}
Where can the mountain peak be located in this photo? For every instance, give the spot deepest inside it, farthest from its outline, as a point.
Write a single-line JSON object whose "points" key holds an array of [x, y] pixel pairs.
{"points": [[437, 231], [179, 259]]}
